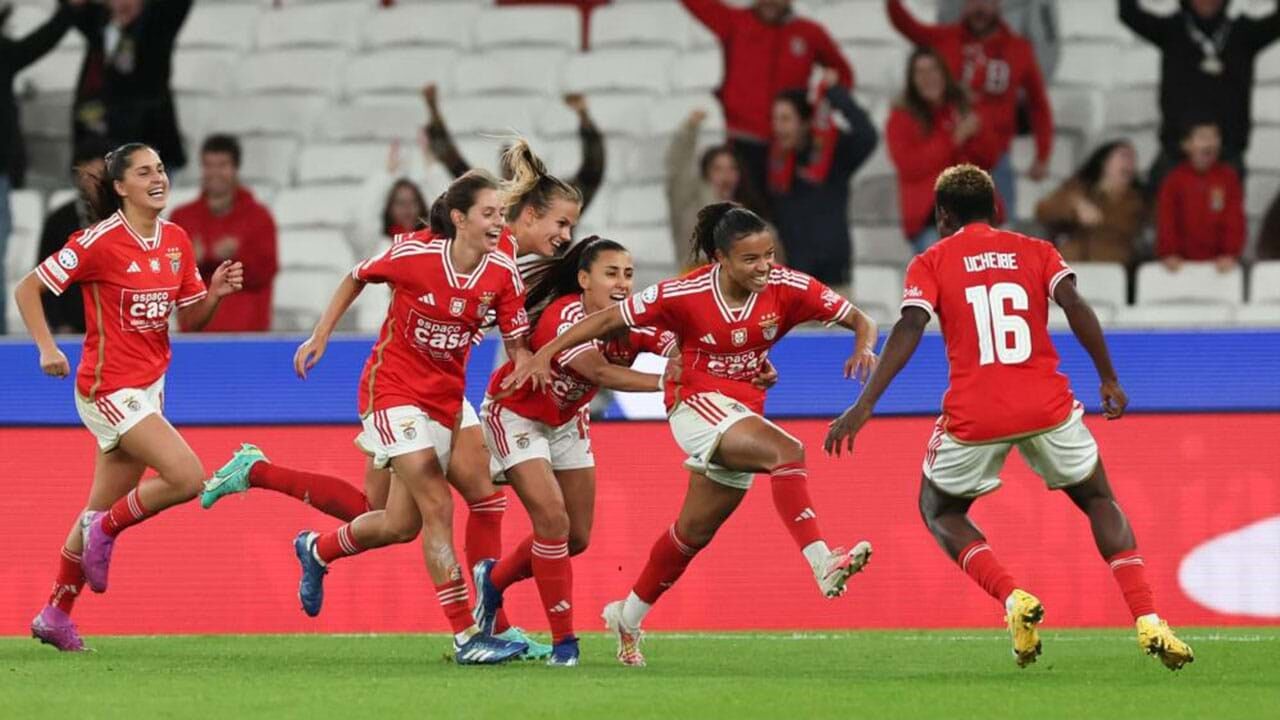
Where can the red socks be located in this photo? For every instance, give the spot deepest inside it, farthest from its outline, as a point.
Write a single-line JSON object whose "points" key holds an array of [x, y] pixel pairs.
{"points": [[790, 485], [126, 512], [1131, 575], [453, 600], [329, 495], [336, 544], [484, 528], [667, 561], [553, 573], [980, 563], [516, 566], [66, 588]]}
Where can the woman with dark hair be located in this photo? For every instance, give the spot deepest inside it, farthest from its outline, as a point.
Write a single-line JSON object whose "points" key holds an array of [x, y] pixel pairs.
{"points": [[405, 210], [134, 269], [1098, 214], [932, 126], [728, 314]]}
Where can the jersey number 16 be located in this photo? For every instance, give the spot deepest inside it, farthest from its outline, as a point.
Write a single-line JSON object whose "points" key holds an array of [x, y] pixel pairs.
{"points": [[1002, 337]]}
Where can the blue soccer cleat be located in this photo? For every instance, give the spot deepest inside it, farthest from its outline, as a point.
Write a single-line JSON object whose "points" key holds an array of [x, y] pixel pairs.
{"points": [[564, 653], [484, 649], [311, 586], [488, 597]]}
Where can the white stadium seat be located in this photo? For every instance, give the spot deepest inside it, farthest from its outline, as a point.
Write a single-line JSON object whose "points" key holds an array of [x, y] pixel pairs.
{"points": [[700, 71], [515, 71], [330, 24], [879, 67], [371, 121], [317, 206], [306, 71], [1264, 315], [27, 208], [203, 72], [626, 70], [181, 195], [615, 115], [657, 25], [1267, 65], [1062, 163], [498, 115], [316, 249], [1146, 143], [299, 296], [1264, 150], [1092, 20], [326, 163], [268, 161], [1087, 64], [1139, 66], [1194, 282], [222, 26], [665, 115], [877, 291], [857, 21], [1104, 285], [60, 197], [1077, 109], [370, 308], [1264, 283], [401, 71], [1259, 192], [528, 26], [650, 246], [639, 205], [26, 18], [1266, 104], [435, 23], [1029, 193], [1131, 108], [880, 245], [1170, 315], [266, 115], [54, 73], [875, 200]]}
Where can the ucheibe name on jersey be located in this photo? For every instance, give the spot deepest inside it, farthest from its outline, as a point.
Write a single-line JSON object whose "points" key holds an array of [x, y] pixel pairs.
{"points": [[991, 261]]}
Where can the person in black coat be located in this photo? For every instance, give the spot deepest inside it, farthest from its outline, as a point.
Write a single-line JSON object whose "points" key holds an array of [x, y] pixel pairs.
{"points": [[123, 92], [811, 160], [65, 312]]}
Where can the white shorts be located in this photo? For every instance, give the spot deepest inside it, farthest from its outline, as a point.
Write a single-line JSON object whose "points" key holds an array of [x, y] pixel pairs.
{"points": [[514, 439], [114, 414], [1063, 456], [698, 423], [402, 430]]}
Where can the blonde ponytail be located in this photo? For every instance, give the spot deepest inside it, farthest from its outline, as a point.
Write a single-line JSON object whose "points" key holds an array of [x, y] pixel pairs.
{"points": [[530, 184]]}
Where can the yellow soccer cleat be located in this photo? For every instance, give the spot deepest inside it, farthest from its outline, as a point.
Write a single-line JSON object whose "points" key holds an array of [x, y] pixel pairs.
{"points": [[1025, 613], [1155, 638]]}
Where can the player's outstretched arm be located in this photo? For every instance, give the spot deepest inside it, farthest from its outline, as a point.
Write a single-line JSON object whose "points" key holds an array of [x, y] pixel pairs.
{"points": [[311, 350], [599, 371], [596, 325], [865, 333], [27, 296], [1084, 324], [898, 349]]}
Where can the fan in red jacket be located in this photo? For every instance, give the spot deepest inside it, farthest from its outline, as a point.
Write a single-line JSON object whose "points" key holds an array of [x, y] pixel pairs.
{"points": [[1201, 205], [227, 223]]}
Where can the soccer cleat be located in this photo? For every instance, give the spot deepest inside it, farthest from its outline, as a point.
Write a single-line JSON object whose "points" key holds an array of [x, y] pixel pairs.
{"points": [[565, 653], [535, 650], [628, 638], [96, 557], [311, 586], [1155, 638], [484, 649], [232, 477], [488, 597], [1025, 614], [54, 627], [841, 565]]}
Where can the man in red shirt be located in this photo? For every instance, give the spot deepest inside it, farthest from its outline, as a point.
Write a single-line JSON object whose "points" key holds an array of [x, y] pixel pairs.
{"points": [[997, 65], [1201, 205], [767, 49], [227, 223], [990, 292]]}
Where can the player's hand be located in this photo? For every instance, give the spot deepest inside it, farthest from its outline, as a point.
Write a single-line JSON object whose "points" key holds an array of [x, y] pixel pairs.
{"points": [[842, 430], [1038, 171], [767, 377], [54, 364], [308, 354], [1114, 401], [227, 279], [535, 368], [860, 364]]}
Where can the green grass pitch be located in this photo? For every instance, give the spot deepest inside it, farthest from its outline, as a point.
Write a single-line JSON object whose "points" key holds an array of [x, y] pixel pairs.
{"points": [[896, 674]]}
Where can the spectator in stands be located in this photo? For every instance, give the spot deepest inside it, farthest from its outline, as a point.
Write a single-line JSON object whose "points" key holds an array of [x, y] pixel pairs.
{"points": [[16, 54], [588, 178], [405, 209], [1035, 20], [227, 223], [65, 312], [1201, 205], [123, 91], [691, 186], [767, 49], [932, 126], [1101, 210], [997, 65], [1206, 64], [810, 163], [1269, 233]]}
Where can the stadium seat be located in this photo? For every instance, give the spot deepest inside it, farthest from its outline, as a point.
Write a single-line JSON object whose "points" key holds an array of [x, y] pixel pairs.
{"points": [[1264, 150], [329, 24], [650, 246], [530, 26], [219, 26], [1076, 109], [326, 163], [1058, 319], [305, 71], [1139, 65], [203, 72], [1266, 104], [1146, 143], [1029, 193], [299, 296], [1267, 66], [1062, 163], [563, 156], [615, 115], [1195, 282], [1092, 20], [317, 207], [446, 24], [639, 205], [665, 115], [266, 115], [499, 115], [60, 197], [27, 208], [56, 72], [366, 121], [514, 71], [1104, 285], [402, 71], [1264, 315], [882, 68], [268, 161], [698, 71], [857, 21], [1259, 192], [1264, 283], [1130, 108], [1177, 314], [645, 161], [656, 25], [624, 70], [880, 245], [1087, 64], [875, 200], [315, 249], [181, 195], [877, 291], [370, 308], [25, 18]]}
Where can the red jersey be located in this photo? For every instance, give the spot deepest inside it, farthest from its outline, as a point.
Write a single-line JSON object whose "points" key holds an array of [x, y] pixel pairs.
{"points": [[1201, 214], [130, 285], [569, 392], [990, 290], [420, 357], [723, 348]]}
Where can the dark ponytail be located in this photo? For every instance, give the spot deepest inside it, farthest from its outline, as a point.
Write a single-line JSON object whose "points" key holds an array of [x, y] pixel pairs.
{"points": [[100, 195], [460, 196], [719, 225], [549, 280]]}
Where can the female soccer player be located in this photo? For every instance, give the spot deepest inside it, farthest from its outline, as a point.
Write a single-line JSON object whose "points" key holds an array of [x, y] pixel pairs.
{"points": [[728, 314], [134, 269], [541, 438]]}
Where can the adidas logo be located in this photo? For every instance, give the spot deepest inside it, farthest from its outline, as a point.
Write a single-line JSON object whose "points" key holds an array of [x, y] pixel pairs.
{"points": [[133, 267], [478, 655], [428, 299], [708, 339], [808, 514], [561, 607]]}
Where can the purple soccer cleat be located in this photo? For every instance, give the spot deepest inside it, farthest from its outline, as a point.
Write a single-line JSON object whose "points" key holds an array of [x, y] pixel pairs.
{"points": [[96, 558], [54, 627]]}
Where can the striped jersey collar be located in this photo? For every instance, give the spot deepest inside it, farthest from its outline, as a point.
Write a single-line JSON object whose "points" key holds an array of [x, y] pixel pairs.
{"points": [[730, 314], [150, 243]]}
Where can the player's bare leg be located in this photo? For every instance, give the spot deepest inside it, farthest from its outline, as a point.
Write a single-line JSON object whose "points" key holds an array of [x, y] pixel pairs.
{"points": [[757, 445], [1114, 538], [377, 483], [947, 518]]}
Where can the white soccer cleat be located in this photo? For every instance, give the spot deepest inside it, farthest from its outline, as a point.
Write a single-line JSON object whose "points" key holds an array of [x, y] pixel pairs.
{"points": [[841, 565], [628, 638]]}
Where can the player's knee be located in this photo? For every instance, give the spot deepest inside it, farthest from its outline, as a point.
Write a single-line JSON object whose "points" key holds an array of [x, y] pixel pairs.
{"points": [[789, 452], [187, 477], [550, 522], [400, 533]]}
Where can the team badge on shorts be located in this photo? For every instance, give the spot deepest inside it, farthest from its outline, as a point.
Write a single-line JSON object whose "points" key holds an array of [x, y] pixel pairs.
{"points": [[737, 407], [132, 403], [456, 306], [409, 429], [739, 336], [522, 441]]}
